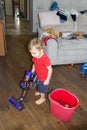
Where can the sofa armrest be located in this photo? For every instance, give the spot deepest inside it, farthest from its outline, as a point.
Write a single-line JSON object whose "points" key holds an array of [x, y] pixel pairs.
{"points": [[52, 50], [40, 32]]}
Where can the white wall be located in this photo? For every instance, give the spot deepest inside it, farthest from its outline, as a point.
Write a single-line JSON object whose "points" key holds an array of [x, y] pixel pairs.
{"points": [[73, 4], [39, 6], [8, 7]]}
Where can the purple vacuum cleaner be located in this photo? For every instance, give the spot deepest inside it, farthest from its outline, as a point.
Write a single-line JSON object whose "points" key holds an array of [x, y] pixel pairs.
{"points": [[28, 81]]}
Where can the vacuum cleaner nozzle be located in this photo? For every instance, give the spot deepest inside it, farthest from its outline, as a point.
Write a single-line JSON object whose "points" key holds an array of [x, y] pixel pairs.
{"points": [[15, 103]]}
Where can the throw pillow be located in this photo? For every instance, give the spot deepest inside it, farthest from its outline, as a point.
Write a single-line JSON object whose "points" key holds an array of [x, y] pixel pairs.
{"points": [[49, 18]]}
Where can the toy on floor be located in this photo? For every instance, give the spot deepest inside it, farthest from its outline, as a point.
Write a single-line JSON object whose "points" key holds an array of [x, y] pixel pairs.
{"points": [[28, 81], [70, 66], [84, 69]]}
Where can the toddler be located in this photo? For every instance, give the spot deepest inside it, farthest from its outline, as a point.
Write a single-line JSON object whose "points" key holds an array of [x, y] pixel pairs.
{"points": [[42, 67]]}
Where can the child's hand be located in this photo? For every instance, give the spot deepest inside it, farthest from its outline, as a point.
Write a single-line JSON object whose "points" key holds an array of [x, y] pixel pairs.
{"points": [[46, 82]]}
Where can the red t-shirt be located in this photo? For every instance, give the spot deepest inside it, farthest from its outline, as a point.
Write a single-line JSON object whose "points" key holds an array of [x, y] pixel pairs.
{"points": [[41, 66]]}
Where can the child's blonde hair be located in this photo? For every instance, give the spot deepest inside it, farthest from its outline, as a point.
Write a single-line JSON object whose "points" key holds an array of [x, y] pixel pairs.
{"points": [[37, 43]]}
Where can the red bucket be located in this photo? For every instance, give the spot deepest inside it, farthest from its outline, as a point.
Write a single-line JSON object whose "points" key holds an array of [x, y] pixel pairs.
{"points": [[63, 104]]}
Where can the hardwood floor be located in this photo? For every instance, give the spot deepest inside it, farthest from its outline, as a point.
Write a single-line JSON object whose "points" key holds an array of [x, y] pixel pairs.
{"points": [[34, 117]]}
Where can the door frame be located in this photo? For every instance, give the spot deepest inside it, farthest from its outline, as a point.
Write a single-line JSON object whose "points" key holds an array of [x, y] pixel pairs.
{"points": [[13, 5], [31, 16]]}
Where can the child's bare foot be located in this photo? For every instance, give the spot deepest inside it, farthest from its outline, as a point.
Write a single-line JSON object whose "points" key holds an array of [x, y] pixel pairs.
{"points": [[37, 93], [40, 101]]}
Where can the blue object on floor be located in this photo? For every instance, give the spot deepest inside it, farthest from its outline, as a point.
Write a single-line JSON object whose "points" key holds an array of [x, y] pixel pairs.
{"points": [[84, 69], [20, 15], [54, 6]]}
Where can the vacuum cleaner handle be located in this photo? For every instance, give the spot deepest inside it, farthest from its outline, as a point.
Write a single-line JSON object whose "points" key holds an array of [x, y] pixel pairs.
{"points": [[24, 92], [28, 75]]}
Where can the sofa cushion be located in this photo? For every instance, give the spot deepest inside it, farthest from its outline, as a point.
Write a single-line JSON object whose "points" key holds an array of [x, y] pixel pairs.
{"points": [[82, 19], [73, 44], [82, 23], [82, 28]]}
